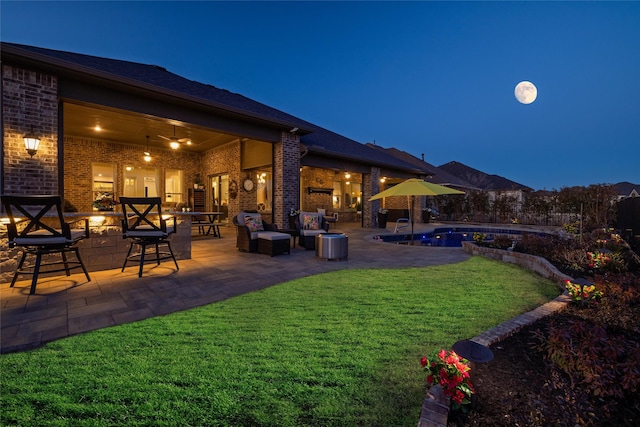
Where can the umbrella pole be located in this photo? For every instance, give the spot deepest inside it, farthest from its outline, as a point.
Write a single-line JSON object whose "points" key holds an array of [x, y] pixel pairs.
{"points": [[411, 217]]}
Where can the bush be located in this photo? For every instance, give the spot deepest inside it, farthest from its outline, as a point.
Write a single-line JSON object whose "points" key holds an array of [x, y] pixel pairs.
{"points": [[619, 309], [552, 248], [501, 242], [598, 346], [606, 364]]}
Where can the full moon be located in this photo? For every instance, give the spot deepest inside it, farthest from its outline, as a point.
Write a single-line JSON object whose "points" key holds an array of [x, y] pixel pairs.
{"points": [[526, 92]]}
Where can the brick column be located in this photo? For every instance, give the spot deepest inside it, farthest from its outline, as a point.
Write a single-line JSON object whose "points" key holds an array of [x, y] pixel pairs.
{"points": [[371, 186], [286, 178], [29, 98]]}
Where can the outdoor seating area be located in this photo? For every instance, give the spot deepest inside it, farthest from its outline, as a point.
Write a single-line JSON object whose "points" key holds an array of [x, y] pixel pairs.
{"points": [[200, 275], [253, 234]]}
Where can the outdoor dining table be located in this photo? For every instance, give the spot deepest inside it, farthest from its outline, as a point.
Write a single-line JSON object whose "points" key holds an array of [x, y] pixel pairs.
{"points": [[210, 223]]}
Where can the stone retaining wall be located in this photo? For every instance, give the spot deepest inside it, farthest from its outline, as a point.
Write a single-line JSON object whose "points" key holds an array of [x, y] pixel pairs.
{"points": [[435, 401]]}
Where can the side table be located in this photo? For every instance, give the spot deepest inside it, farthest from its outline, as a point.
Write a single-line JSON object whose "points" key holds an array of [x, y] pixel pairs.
{"points": [[293, 232]]}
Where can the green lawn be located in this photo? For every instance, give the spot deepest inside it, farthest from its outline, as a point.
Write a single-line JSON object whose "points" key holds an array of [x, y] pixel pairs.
{"points": [[337, 349]]}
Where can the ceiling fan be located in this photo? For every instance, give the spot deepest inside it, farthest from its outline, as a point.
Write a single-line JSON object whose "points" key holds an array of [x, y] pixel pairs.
{"points": [[174, 141]]}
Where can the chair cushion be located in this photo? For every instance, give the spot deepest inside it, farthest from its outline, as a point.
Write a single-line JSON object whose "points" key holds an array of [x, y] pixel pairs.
{"points": [[146, 230], [253, 222], [44, 237], [272, 235]]}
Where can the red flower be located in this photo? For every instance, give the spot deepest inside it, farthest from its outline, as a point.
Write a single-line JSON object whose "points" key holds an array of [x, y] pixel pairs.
{"points": [[451, 372], [458, 397]]}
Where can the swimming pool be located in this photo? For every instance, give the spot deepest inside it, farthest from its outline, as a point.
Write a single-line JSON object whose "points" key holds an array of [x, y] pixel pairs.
{"points": [[451, 237]]}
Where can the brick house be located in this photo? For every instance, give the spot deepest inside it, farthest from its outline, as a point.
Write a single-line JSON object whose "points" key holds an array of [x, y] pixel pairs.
{"points": [[97, 117]]}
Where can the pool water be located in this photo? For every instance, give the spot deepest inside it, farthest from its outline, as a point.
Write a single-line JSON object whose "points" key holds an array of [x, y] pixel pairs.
{"points": [[451, 237]]}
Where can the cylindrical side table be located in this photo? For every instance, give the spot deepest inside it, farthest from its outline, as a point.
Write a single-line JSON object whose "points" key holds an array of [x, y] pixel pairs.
{"points": [[332, 246]]}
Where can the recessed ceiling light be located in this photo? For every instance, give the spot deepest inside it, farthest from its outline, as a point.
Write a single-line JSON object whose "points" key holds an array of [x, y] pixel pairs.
{"points": [[97, 128]]}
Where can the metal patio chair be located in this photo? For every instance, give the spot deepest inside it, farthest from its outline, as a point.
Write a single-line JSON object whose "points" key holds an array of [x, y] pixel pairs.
{"points": [[37, 226], [144, 225]]}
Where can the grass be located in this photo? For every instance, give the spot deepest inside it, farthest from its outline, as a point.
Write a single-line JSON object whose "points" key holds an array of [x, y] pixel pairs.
{"points": [[336, 349]]}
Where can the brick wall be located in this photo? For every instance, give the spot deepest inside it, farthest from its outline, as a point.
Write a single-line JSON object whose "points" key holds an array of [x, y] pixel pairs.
{"points": [[226, 160], [29, 100], [80, 153]]}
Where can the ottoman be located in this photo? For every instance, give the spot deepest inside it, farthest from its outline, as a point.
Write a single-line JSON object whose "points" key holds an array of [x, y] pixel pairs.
{"points": [[273, 243]]}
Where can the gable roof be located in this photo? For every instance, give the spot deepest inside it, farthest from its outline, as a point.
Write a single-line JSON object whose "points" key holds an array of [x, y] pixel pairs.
{"points": [[627, 189], [153, 78], [480, 179], [437, 175]]}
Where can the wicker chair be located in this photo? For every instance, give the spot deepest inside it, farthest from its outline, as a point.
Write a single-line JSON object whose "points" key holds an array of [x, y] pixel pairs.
{"points": [[309, 225], [253, 234]]}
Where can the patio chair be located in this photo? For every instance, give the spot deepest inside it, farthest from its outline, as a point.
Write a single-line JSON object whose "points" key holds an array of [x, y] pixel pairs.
{"points": [[309, 225], [144, 225], [37, 226], [255, 235]]}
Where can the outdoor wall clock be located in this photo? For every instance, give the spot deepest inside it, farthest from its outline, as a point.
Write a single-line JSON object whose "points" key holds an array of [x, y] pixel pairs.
{"points": [[247, 184]]}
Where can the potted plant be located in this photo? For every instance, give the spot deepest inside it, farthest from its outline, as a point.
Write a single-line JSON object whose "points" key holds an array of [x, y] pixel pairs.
{"points": [[382, 217], [198, 183]]}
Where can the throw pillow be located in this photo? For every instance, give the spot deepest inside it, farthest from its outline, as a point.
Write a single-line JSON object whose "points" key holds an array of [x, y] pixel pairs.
{"points": [[254, 222], [310, 222]]}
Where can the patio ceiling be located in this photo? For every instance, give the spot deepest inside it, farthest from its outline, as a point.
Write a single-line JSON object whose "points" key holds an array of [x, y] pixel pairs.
{"points": [[132, 128]]}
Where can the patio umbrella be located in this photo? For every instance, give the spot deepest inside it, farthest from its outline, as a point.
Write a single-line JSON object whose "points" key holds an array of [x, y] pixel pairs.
{"points": [[415, 187]]}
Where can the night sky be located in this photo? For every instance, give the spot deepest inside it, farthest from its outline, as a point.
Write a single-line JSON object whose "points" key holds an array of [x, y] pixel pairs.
{"points": [[425, 77]]}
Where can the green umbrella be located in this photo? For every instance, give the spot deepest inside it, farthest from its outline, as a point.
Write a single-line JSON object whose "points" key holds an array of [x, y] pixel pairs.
{"points": [[415, 187]]}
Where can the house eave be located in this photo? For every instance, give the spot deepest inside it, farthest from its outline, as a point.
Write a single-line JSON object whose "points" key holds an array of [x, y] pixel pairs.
{"points": [[15, 55]]}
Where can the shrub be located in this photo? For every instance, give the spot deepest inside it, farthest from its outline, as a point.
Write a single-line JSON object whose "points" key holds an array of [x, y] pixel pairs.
{"points": [[583, 294], [502, 242], [549, 247], [620, 309], [605, 364], [479, 237]]}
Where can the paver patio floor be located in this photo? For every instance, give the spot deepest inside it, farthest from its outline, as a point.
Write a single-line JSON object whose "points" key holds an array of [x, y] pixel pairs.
{"points": [[64, 306]]}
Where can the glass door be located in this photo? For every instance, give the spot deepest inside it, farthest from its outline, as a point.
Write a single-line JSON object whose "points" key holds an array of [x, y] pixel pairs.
{"points": [[219, 185]]}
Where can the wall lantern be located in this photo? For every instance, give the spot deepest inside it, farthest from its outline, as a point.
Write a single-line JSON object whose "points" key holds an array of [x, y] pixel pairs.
{"points": [[31, 142]]}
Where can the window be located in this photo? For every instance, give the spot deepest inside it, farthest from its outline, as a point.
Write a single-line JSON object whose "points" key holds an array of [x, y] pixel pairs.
{"points": [[353, 195], [103, 186], [173, 189], [264, 190], [337, 194], [141, 182]]}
